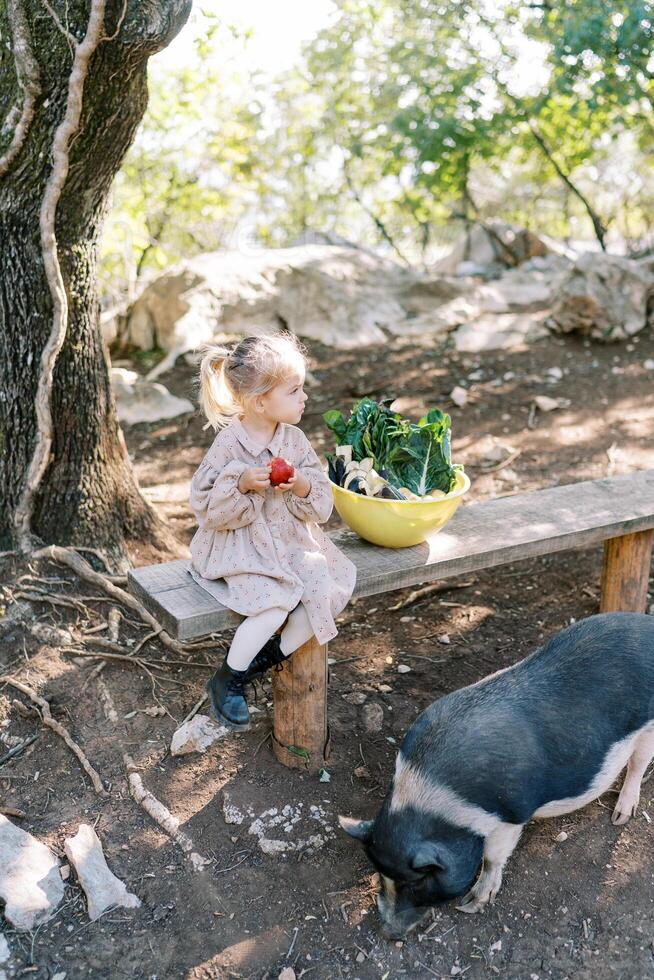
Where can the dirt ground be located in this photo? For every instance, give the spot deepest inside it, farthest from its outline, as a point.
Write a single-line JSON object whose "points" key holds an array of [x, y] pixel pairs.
{"points": [[580, 907]]}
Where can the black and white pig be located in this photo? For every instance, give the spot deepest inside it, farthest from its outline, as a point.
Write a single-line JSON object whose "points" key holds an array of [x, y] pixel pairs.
{"points": [[538, 739]]}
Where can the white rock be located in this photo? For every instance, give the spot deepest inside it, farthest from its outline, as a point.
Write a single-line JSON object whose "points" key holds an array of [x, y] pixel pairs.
{"points": [[478, 248], [459, 396], [499, 332], [52, 635], [5, 952], [197, 735], [602, 296], [403, 668], [288, 973], [507, 475], [102, 888], [124, 375], [444, 639], [355, 697], [339, 295], [497, 453], [30, 883], [554, 373], [561, 837], [546, 404], [373, 717], [147, 401], [648, 364]]}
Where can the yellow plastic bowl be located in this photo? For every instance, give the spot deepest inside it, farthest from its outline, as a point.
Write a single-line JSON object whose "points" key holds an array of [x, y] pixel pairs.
{"points": [[397, 523]]}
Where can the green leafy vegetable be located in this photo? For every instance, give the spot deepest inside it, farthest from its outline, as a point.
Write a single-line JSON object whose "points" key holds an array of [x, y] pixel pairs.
{"points": [[416, 456]]}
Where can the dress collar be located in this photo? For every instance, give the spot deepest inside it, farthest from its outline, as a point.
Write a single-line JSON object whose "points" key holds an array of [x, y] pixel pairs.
{"points": [[249, 443]]}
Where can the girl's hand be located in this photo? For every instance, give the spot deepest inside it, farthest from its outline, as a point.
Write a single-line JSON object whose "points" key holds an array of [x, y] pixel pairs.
{"points": [[257, 478], [298, 484]]}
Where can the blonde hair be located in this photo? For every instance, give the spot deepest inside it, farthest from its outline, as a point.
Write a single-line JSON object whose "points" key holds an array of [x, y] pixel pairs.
{"points": [[231, 379]]}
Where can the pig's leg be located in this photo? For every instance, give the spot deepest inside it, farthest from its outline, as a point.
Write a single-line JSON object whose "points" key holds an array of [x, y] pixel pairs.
{"points": [[498, 847], [630, 793]]}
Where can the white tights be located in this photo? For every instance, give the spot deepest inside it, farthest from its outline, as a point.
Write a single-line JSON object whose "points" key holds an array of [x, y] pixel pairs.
{"points": [[254, 631]]}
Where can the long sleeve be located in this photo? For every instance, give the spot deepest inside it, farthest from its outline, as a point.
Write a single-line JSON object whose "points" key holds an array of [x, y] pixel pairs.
{"points": [[319, 503], [217, 502]]}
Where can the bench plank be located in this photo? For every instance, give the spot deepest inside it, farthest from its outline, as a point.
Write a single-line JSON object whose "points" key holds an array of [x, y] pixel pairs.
{"points": [[482, 535]]}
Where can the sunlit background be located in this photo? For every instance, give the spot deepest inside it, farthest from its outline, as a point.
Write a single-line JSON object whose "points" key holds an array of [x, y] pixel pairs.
{"points": [[392, 124]]}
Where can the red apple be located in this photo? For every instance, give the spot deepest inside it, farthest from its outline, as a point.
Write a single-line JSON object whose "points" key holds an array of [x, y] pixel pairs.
{"points": [[281, 471]]}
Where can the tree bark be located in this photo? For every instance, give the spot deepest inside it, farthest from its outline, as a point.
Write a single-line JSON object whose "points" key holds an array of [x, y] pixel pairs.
{"points": [[88, 494]]}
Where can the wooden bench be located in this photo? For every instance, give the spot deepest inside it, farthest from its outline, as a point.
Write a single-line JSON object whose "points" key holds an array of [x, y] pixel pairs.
{"points": [[617, 511]]}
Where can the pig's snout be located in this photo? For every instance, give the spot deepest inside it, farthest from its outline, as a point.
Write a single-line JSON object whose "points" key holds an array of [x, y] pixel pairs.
{"points": [[397, 909]]}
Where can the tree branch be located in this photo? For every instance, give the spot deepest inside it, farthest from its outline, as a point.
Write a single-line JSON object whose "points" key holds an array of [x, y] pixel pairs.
{"points": [[53, 188], [378, 222], [598, 225], [27, 72]]}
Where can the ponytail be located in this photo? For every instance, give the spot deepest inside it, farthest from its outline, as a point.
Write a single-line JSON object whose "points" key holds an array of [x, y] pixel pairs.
{"points": [[231, 379], [217, 401]]}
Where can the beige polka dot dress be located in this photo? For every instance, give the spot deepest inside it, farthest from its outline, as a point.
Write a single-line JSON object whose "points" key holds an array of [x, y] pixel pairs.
{"points": [[255, 551]]}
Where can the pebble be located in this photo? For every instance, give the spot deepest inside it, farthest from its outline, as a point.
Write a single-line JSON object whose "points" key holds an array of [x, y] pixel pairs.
{"points": [[386, 688], [373, 717], [648, 364], [561, 837], [361, 957], [459, 396], [444, 638], [403, 668], [546, 404], [355, 697]]}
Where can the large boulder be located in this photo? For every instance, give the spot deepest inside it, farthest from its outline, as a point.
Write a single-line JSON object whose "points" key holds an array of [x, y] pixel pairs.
{"points": [[603, 296], [339, 295], [490, 248]]}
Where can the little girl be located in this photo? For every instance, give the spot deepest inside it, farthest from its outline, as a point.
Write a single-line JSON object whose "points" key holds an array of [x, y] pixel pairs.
{"points": [[259, 549]]}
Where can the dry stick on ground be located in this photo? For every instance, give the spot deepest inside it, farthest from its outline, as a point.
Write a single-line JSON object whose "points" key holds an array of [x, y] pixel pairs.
{"points": [[130, 658], [60, 730], [27, 74], [427, 590], [159, 813], [64, 133]]}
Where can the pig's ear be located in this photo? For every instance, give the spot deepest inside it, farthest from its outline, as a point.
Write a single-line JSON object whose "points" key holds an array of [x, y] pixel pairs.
{"points": [[429, 855], [360, 829]]}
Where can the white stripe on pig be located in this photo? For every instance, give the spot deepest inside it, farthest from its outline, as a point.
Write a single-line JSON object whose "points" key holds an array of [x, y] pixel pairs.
{"points": [[411, 788]]}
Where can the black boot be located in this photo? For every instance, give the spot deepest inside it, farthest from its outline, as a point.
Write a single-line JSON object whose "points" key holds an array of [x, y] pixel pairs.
{"points": [[227, 699], [268, 656]]}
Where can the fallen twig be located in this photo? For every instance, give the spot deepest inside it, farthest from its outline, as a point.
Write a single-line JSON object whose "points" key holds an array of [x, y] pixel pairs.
{"points": [[505, 462], [428, 590], [130, 658], [159, 813], [17, 749], [194, 710], [12, 811], [60, 730]]}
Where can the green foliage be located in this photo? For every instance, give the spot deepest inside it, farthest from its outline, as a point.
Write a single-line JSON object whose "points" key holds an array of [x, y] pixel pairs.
{"points": [[416, 456], [402, 119]]}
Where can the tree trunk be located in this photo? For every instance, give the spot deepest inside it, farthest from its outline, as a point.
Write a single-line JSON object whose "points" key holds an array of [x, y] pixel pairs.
{"points": [[88, 494]]}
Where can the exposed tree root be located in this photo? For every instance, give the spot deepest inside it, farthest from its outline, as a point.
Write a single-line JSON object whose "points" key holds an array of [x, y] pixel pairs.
{"points": [[66, 556], [60, 730]]}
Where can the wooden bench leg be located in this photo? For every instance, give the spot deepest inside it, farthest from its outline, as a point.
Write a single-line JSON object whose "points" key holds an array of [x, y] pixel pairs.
{"points": [[300, 708], [625, 574]]}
